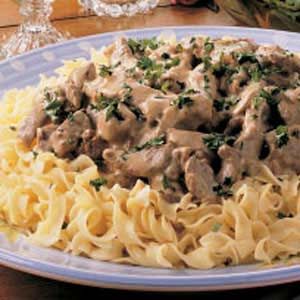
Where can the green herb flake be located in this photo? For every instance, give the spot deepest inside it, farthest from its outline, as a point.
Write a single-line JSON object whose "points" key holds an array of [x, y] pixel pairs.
{"points": [[35, 154], [257, 101], [127, 100], [246, 57], [282, 135], [153, 71], [206, 82], [54, 109], [270, 97], [97, 183], [282, 215], [255, 73], [207, 62], [166, 182], [165, 86], [165, 55], [215, 140], [227, 181], [155, 142], [221, 191], [173, 63], [111, 106], [182, 101], [208, 45], [224, 104], [216, 227], [145, 63], [139, 46], [70, 117], [179, 48], [105, 71]]}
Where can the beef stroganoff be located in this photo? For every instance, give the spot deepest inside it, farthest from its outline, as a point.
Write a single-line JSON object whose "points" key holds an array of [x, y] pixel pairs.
{"points": [[159, 153]]}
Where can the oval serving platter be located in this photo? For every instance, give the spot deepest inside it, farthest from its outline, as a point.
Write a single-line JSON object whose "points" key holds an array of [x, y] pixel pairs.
{"points": [[24, 70]]}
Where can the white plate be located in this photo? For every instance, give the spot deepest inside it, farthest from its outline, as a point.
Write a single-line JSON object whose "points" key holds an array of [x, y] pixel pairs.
{"points": [[23, 70]]}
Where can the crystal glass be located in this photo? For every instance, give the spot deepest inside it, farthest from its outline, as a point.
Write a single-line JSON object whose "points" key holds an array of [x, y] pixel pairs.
{"points": [[117, 8], [36, 30]]}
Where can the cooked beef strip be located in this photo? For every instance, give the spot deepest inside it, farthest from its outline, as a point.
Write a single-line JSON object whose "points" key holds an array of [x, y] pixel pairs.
{"points": [[44, 135], [284, 156], [188, 117], [74, 84], [35, 120], [65, 139]]}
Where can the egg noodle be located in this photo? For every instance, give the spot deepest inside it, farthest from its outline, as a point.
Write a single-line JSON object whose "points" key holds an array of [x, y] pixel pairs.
{"points": [[52, 202]]}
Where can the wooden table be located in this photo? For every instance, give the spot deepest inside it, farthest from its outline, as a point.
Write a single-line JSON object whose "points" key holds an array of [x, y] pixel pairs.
{"points": [[68, 16]]}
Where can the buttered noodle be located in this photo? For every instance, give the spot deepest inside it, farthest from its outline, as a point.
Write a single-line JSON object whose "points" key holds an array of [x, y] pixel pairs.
{"points": [[52, 202]]}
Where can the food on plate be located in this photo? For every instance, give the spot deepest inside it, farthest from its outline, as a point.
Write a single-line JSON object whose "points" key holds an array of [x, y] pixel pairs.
{"points": [[160, 153]]}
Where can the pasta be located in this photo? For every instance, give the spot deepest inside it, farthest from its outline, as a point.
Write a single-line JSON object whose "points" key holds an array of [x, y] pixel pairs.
{"points": [[51, 201]]}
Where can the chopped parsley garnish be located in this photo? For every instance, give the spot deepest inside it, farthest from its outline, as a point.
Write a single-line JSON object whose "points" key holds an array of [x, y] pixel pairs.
{"points": [[155, 142], [270, 97], [139, 46], [105, 71], [206, 82], [127, 100], [215, 140], [220, 70], [166, 182], [173, 63], [208, 45], [221, 191], [145, 63], [225, 103], [282, 135], [257, 102], [255, 73], [216, 227], [266, 96], [54, 109], [192, 40], [35, 154], [179, 48], [207, 62], [227, 181], [182, 101], [282, 215], [97, 183], [165, 86], [165, 55], [111, 107], [70, 117], [246, 57], [153, 71], [258, 72]]}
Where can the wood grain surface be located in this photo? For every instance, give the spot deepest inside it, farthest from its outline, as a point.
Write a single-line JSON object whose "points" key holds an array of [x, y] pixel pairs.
{"points": [[68, 16]]}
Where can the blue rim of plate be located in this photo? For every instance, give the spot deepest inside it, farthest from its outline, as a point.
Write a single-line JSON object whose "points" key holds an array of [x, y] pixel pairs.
{"points": [[24, 70]]}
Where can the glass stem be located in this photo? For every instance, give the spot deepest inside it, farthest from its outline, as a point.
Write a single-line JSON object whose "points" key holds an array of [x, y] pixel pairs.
{"points": [[36, 14]]}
